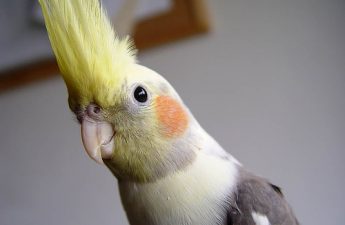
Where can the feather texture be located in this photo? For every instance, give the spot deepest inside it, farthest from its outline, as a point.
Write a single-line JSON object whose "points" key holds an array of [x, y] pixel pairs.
{"points": [[90, 56]]}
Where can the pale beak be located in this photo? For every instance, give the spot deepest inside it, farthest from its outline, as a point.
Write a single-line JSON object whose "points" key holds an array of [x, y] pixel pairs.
{"points": [[98, 139]]}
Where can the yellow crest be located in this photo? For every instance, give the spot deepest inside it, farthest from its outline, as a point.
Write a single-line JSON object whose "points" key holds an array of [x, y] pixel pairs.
{"points": [[90, 56]]}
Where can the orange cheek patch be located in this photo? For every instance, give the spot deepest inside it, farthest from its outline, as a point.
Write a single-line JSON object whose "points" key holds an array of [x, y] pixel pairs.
{"points": [[171, 116]]}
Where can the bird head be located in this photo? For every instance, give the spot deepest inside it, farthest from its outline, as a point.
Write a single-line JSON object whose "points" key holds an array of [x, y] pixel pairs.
{"points": [[131, 117]]}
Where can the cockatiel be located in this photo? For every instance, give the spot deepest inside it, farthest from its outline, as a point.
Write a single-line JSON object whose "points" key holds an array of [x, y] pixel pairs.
{"points": [[169, 170]]}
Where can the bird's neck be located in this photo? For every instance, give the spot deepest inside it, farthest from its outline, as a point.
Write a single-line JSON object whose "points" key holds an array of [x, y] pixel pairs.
{"points": [[188, 196]]}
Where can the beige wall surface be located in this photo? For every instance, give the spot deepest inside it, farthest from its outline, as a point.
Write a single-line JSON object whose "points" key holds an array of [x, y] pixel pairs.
{"points": [[268, 83]]}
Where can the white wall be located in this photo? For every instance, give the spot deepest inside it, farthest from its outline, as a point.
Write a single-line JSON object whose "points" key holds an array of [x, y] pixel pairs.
{"points": [[268, 83]]}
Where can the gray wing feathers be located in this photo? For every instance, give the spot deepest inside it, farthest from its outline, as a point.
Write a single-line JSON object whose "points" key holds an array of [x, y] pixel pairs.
{"points": [[255, 195]]}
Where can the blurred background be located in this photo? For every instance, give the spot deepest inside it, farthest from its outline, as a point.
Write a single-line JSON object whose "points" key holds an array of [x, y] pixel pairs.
{"points": [[266, 78]]}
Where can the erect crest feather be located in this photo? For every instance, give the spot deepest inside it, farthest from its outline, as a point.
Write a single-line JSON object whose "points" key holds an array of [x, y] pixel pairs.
{"points": [[90, 56]]}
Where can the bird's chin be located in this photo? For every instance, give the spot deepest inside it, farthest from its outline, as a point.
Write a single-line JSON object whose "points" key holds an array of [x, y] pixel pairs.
{"points": [[98, 139]]}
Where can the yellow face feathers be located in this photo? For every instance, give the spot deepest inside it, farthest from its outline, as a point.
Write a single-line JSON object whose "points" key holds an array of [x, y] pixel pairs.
{"points": [[90, 56], [100, 70]]}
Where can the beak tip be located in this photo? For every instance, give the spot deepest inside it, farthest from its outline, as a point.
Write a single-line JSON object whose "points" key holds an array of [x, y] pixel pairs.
{"points": [[93, 133]]}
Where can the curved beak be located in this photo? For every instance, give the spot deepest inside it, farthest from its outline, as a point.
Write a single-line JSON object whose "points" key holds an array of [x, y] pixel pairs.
{"points": [[98, 139]]}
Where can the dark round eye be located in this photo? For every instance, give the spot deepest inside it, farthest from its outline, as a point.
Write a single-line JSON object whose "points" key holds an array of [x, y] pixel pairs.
{"points": [[140, 94]]}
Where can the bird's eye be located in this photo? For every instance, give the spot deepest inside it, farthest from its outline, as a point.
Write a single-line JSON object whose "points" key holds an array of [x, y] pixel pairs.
{"points": [[140, 94]]}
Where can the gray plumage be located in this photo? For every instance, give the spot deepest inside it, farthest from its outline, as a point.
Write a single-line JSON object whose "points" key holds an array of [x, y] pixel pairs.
{"points": [[254, 194]]}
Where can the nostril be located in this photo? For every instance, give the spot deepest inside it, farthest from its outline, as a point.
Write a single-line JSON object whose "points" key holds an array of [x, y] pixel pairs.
{"points": [[93, 111], [96, 109]]}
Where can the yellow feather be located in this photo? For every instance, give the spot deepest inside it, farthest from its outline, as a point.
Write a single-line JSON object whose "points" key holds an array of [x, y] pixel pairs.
{"points": [[90, 56]]}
